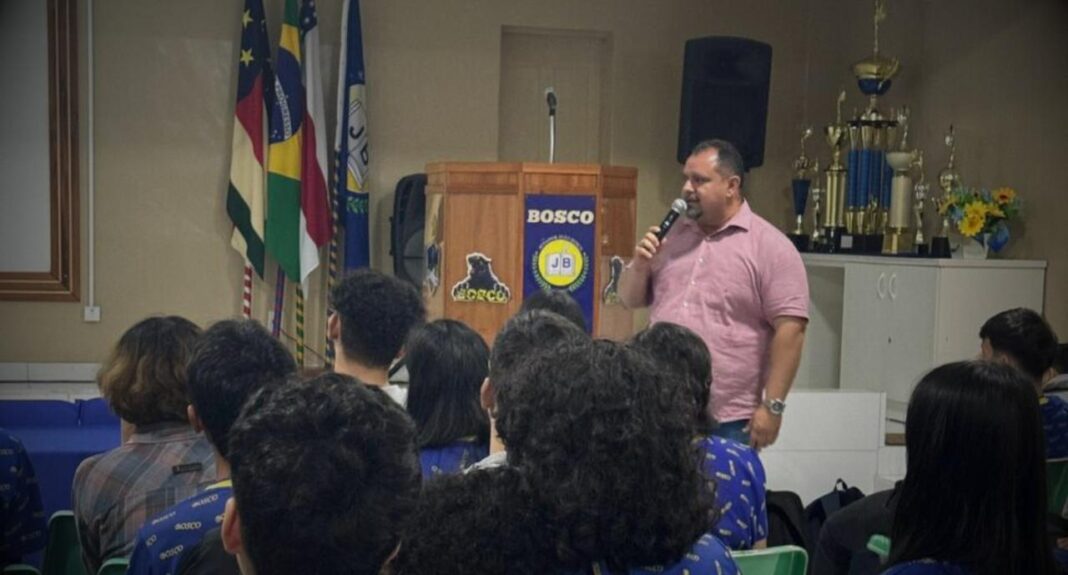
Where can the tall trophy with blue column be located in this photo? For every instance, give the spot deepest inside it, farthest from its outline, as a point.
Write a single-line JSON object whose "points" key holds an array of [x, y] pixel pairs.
{"points": [[800, 186]]}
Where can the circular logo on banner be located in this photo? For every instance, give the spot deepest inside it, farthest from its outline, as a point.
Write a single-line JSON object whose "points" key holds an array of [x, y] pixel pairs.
{"points": [[560, 263]]}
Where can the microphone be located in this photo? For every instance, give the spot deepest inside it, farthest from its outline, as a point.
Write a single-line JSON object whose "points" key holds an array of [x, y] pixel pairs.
{"points": [[550, 98], [678, 207]]}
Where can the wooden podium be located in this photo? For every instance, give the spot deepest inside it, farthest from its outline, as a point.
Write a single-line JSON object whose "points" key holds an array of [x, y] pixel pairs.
{"points": [[479, 211]]}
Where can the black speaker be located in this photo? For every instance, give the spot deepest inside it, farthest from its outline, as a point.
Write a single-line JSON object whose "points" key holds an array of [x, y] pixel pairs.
{"points": [[725, 95], [406, 229]]}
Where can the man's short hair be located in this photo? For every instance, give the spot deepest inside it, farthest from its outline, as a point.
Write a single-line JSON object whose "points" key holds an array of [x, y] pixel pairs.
{"points": [[556, 301], [684, 354], [325, 473], [525, 333], [1060, 364], [231, 361], [377, 314], [1025, 336], [729, 160], [144, 378]]}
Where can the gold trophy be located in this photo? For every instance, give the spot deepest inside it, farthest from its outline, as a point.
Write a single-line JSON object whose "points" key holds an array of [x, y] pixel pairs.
{"points": [[835, 238], [818, 237], [922, 189], [948, 180], [896, 238], [801, 185]]}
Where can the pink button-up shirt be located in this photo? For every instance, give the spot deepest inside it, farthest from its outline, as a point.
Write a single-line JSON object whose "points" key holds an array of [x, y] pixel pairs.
{"points": [[729, 287]]}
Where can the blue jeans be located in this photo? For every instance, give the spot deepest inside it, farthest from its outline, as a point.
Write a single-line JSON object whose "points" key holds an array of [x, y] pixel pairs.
{"points": [[734, 430]]}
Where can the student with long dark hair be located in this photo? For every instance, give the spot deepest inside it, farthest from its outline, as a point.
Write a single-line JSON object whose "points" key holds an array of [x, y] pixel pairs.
{"points": [[447, 362], [974, 498]]}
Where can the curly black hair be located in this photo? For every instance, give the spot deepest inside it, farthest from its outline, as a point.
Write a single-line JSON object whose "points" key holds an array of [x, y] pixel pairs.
{"points": [[482, 522], [611, 463], [526, 332], [231, 361], [377, 314], [325, 473], [685, 355], [556, 301]]}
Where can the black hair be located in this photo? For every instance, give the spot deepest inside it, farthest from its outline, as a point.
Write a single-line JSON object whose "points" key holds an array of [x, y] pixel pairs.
{"points": [[610, 462], [1025, 336], [447, 362], [685, 355], [1060, 363], [377, 314], [525, 333], [975, 490], [556, 301], [232, 360], [481, 522], [325, 473], [729, 160]]}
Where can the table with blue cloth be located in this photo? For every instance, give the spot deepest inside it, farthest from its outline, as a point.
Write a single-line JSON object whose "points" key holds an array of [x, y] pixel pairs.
{"points": [[57, 436]]}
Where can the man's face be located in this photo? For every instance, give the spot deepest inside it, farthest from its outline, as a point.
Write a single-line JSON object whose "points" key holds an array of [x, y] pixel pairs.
{"points": [[707, 192]]}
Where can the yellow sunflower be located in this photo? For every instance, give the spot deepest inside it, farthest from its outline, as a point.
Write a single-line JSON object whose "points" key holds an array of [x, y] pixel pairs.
{"points": [[971, 224], [977, 208], [1003, 195]]}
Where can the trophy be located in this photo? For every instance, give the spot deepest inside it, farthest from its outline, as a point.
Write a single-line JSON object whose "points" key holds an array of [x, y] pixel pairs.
{"points": [[919, 242], [896, 239], [818, 238], [801, 184], [834, 233], [948, 180]]}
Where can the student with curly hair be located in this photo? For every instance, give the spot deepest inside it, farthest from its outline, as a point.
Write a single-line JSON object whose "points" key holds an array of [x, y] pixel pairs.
{"points": [[447, 362], [325, 475], [736, 469], [597, 434], [973, 501], [162, 460], [373, 315], [559, 302]]}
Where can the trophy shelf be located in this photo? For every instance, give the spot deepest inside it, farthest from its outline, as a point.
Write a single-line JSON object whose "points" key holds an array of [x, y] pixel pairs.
{"points": [[880, 323]]}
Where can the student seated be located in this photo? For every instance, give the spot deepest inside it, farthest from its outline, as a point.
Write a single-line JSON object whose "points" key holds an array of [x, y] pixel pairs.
{"points": [[447, 362], [974, 498], [231, 361], [21, 515], [735, 468], [598, 436], [1058, 383], [162, 460], [559, 302], [1023, 339], [325, 474], [373, 316]]}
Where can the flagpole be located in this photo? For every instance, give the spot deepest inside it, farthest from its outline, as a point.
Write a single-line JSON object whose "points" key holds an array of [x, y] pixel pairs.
{"points": [[246, 295], [331, 278], [279, 301], [300, 325]]}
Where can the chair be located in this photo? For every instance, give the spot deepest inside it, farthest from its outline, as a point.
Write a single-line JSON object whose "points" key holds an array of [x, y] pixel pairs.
{"points": [[21, 569], [1056, 485], [63, 552], [784, 560], [116, 566], [96, 412], [18, 413], [880, 545]]}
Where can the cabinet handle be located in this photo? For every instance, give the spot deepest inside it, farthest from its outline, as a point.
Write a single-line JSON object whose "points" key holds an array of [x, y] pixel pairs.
{"points": [[880, 286], [892, 286]]}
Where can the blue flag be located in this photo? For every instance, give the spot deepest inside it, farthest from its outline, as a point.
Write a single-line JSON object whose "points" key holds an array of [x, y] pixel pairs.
{"points": [[353, 201]]}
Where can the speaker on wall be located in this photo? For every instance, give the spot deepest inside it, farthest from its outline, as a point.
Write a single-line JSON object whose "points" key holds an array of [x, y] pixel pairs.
{"points": [[725, 84], [406, 229]]}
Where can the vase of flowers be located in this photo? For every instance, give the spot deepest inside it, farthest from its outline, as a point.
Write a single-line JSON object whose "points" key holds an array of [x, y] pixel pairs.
{"points": [[982, 218]]}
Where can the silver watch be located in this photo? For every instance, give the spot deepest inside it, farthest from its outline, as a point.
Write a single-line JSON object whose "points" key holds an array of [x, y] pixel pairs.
{"points": [[775, 406]]}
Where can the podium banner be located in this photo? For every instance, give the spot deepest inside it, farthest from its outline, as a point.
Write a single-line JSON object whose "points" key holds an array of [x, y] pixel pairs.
{"points": [[558, 248]]}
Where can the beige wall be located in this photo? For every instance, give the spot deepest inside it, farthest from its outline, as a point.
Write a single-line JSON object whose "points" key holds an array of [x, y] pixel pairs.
{"points": [[164, 103]]}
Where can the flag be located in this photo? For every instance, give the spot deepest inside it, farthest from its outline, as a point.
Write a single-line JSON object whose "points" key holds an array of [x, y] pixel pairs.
{"points": [[315, 222], [350, 143], [244, 197], [284, 155]]}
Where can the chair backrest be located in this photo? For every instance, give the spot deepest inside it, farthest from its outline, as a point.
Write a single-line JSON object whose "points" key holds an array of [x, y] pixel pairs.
{"points": [[63, 553], [21, 569], [117, 566], [17, 413], [1056, 485], [96, 412], [785, 560]]}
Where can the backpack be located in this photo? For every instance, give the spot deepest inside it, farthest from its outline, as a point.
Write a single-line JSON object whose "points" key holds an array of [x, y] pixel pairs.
{"points": [[818, 511], [786, 520]]}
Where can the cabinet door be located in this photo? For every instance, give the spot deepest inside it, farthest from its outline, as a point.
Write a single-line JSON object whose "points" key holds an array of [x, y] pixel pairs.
{"points": [[865, 312], [911, 293]]}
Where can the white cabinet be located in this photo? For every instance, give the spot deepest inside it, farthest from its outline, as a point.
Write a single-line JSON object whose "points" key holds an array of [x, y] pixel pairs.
{"points": [[880, 323]]}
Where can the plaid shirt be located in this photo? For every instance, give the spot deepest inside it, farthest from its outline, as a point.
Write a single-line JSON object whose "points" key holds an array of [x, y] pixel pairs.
{"points": [[115, 492]]}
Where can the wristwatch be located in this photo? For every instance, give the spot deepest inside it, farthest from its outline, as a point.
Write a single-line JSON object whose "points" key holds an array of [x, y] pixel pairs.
{"points": [[775, 406]]}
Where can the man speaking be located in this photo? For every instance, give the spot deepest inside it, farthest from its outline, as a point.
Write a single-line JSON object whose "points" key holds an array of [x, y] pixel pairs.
{"points": [[738, 282]]}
